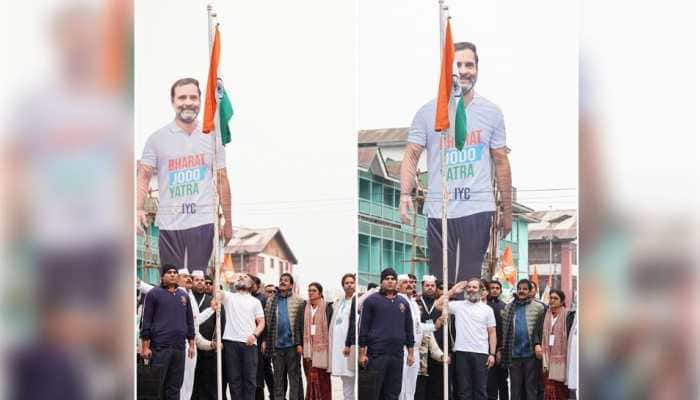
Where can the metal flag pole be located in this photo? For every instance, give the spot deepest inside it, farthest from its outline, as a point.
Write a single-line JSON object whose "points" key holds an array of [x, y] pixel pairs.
{"points": [[444, 142], [211, 20]]}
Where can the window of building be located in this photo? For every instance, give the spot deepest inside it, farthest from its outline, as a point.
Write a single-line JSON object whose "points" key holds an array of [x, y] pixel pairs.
{"points": [[375, 255], [398, 256], [363, 254], [377, 193], [365, 189], [388, 196], [387, 253]]}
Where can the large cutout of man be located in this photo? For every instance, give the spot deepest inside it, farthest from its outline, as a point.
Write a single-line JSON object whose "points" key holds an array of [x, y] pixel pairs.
{"points": [[471, 202], [182, 155]]}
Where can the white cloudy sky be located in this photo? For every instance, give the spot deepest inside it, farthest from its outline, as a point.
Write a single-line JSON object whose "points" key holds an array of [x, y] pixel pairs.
{"points": [[528, 63], [291, 78], [295, 72]]}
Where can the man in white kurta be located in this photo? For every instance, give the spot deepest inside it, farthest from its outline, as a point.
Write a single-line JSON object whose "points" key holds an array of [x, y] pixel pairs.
{"points": [[340, 358], [410, 373], [190, 363]]}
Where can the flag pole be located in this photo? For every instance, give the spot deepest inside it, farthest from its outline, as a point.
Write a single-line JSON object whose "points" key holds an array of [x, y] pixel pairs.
{"points": [[444, 141], [211, 20]]}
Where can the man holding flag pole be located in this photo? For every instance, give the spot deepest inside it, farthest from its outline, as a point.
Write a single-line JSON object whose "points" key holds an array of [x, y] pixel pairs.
{"points": [[218, 111], [463, 134]]}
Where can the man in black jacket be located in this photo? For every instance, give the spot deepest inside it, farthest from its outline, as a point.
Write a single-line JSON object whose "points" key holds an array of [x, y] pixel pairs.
{"points": [[167, 321], [205, 371], [497, 383], [431, 387], [386, 328], [264, 375]]}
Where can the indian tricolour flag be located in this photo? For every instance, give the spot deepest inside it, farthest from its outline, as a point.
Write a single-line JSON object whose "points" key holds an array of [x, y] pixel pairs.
{"points": [[216, 99], [450, 114]]}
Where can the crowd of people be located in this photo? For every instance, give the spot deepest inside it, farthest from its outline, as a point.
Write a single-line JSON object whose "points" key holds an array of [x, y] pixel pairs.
{"points": [[498, 348], [269, 335]]}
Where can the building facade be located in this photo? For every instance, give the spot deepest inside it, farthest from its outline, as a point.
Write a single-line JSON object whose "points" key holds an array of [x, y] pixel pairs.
{"points": [[261, 252], [383, 241], [553, 249]]}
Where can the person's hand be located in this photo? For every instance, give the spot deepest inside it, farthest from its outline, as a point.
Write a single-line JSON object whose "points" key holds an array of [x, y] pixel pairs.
{"points": [[363, 360], [409, 358], [300, 350], [346, 351], [250, 341], [538, 352], [215, 305], [146, 353], [227, 232], [141, 222], [506, 222], [490, 361], [190, 351], [263, 347], [406, 208], [440, 321], [446, 359], [457, 288], [498, 357], [215, 344]]}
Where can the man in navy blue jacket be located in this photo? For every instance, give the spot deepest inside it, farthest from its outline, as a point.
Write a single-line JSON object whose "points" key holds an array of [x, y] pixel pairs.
{"points": [[386, 326], [167, 322]]}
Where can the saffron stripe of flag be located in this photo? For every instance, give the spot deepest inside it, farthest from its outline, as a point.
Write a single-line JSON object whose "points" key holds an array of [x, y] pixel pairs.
{"points": [[216, 96], [442, 116], [210, 95]]}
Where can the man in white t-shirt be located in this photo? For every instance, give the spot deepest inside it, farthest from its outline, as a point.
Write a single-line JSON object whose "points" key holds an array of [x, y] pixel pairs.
{"points": [[183, 157], [475, 345], [245, 321], [471, 202]]}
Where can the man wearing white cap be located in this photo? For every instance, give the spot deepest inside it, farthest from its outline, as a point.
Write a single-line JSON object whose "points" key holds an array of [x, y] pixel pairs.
{"points": [[410, 372]]}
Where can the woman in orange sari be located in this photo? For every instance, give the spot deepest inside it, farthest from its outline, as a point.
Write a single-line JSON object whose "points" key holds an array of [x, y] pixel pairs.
{"points": [[317, 316]]}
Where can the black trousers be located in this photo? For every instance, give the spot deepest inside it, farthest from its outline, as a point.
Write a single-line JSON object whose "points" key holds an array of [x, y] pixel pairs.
{"points": [[470, 235], [421, 388], [173, 360], [205, 376], [390, 367], [241, 363], [434, 389], [287, 365], [540, 380], [264, 377], [523, 379], [497, 383], [470, 375]]}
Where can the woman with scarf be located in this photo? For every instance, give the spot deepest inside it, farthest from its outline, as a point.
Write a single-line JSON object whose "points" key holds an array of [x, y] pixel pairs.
{"points": [[317, 317], [555, 342]]}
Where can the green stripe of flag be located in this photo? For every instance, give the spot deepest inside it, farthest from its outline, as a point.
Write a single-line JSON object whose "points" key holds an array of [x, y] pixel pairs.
{"points": [[225, 114], [460, 125]]}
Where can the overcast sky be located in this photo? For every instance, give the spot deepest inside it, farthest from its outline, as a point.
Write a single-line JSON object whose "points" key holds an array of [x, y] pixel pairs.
{"points": [[528, 65], [289, 70]]}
